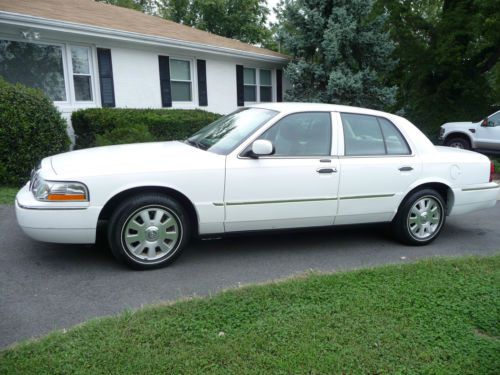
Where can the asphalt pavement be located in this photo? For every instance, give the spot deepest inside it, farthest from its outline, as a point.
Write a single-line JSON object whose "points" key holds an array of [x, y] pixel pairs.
{"points": [[45, 286]]}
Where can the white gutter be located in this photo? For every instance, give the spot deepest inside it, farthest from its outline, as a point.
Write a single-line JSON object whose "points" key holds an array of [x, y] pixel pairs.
{"points": [[103, 32]]}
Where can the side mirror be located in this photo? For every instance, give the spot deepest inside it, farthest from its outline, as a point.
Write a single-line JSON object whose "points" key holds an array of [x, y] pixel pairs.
{"points": [[485, 123], [262, 147]]}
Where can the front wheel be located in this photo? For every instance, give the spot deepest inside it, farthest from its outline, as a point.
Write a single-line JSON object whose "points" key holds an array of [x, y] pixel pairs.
{"points": [[458, 142], [420, 218], [148, 231]]}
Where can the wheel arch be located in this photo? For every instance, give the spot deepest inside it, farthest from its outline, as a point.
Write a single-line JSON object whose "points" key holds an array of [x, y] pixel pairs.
{"points": [[443, 188], [119, 197], [459, 134]]}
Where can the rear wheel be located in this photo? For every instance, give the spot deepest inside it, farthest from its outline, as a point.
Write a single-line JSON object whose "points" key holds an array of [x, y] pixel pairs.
{"points": [[458, 142], [148, 231], [420, 218]]}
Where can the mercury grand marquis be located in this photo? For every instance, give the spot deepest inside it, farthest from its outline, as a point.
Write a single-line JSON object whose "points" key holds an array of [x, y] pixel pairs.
{"points": [[264, 167]]}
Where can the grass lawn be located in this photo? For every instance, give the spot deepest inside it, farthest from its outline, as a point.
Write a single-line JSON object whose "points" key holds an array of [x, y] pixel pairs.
{"points": [[434, 317], [7, 194]]}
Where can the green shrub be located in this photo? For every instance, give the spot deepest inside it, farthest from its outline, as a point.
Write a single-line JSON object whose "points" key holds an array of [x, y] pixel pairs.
{"points": [[31, 128], [104, 126]]}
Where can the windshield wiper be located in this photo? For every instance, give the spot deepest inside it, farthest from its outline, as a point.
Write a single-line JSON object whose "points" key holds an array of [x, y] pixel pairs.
{"points": [[195, 144]]}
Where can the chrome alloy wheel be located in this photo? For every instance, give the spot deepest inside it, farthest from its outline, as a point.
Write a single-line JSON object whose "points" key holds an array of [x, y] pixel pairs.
{"points": [[424, 218], [457, 144], [151, 233]]}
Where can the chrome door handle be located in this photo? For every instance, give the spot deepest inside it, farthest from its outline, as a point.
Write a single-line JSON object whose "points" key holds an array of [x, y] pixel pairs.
{"points": [[406, 169], [326, 170]]}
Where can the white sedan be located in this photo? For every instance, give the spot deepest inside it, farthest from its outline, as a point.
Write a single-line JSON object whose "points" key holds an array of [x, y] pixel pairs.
{"points": [[269, 166]]}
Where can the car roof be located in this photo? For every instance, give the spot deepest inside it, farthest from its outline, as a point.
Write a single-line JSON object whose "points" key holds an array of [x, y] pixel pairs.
{"points": [[304, 107]]}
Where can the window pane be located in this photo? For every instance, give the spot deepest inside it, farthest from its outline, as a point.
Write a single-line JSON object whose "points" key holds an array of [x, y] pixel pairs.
{"points": [[265, 77], [180, 70], [266, 94], [80, 59], [181, 91], [83, 91], [250, 94], [495, 119], [34, 65], [302, 134], [362, 135], [249, 76], [394, 141]]}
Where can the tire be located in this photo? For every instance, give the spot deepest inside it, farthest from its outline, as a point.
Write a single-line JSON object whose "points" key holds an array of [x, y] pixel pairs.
{"points": [[148, 231], [420, 218], [458, 142]]}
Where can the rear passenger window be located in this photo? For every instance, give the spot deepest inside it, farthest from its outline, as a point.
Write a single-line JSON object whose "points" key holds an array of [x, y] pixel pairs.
{"points": [[366, 135]]}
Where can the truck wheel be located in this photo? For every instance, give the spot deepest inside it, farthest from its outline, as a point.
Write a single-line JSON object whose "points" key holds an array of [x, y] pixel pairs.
{"points": [[458, 142]]}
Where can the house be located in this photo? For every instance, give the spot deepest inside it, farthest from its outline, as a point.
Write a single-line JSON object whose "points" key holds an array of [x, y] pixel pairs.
{"points": [[84, 54]]}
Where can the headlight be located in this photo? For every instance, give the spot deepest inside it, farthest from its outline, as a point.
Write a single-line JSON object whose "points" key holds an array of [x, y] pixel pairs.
{"points": [[55, 191]]}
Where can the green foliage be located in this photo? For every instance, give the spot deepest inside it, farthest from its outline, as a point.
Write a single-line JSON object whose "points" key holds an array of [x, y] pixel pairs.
{"points": [[244, 20], [106, 126], [448, 52], [31, 128], [432, 317], [341, 53], [7, 194]]}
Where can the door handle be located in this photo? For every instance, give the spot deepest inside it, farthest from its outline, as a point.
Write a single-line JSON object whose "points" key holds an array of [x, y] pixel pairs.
{"points": [[406, 169], [326, 170]]}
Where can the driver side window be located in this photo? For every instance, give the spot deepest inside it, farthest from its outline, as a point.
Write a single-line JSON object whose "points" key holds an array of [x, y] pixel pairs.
{"points": [[495, 119], [301, 134]]}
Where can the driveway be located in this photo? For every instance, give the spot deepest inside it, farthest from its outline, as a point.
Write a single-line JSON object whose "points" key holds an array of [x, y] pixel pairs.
{"points": [[45, 287]]}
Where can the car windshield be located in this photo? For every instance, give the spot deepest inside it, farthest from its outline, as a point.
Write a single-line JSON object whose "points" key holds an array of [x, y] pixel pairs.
{"points": [[225, 134]]}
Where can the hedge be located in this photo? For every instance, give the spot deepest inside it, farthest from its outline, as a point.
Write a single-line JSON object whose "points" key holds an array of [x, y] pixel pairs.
{"points": [[31, 128], [105, 126]]}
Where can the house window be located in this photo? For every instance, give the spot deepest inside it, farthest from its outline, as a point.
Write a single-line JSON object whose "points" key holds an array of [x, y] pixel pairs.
{"points": [[257, 85], [180, 80], [35, 65], [266, 87], [82, 78], [250, 84]]}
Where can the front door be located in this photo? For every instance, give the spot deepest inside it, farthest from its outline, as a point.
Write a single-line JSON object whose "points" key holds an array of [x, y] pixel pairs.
{"points": [[488, 137], [295, 187]]}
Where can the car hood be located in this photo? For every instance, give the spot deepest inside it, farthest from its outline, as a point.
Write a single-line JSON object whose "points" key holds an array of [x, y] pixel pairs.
{"points": [[130, 158], [462, 124]]}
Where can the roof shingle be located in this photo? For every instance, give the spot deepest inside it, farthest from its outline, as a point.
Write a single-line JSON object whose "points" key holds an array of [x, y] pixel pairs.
{"points": [[90, 12]]}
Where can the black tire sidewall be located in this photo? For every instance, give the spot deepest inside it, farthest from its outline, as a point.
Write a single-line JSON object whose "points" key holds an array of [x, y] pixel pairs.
{"points": [[463, 141], [400, 225], [122, 215]]}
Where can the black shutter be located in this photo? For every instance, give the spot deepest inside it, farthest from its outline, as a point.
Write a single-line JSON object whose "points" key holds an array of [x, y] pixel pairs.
{"points": [[166, 93], [279, 85], [240, 93], [106, 77], [201, 66]]}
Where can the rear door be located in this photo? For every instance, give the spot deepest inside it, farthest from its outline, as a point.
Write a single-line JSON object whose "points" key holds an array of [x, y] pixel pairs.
{"points": [[377, 168]]}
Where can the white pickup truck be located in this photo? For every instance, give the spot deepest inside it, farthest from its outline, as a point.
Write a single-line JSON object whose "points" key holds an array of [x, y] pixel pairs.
{"points": [[483, 136]]}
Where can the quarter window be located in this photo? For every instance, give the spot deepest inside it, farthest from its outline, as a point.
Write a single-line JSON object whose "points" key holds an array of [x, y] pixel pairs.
{"points": [[34, 65], [301, 134], [366, 135], [82, 79], [180, 80]]}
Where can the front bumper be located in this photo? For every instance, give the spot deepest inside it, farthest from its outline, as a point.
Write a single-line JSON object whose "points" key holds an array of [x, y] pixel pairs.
{"points": [[475, 197], [56, 222]]}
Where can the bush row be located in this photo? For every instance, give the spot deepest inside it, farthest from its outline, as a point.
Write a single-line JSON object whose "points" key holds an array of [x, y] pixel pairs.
{"points": [[105, 126], [31, 128]]}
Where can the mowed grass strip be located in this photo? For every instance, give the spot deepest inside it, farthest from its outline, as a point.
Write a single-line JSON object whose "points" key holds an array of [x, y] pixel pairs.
{"points": [[436, 316], [7, 194]]}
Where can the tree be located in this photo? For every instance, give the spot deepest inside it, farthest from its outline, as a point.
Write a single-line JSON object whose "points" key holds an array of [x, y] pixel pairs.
{"points": [[340, 52], [146, 6], [244, 20], [448, 52]]}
